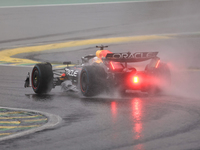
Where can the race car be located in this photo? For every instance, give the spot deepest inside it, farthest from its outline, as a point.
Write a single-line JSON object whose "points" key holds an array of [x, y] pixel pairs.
{"points": [[104, 71]]}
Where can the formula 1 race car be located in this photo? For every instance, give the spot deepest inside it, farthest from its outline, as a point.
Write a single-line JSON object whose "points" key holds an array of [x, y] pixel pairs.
{"points": [[105, 71]]}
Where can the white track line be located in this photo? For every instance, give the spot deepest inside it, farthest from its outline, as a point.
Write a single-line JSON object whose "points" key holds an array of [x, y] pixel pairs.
{"points": [[79, 4]]}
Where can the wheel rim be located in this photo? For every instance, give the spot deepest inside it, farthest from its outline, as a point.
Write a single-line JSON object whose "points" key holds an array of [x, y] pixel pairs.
{"points": [[84, 82], [35, 78]]}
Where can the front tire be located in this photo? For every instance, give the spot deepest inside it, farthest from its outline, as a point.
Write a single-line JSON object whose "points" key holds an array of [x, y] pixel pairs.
{"points": [[42, 78]]}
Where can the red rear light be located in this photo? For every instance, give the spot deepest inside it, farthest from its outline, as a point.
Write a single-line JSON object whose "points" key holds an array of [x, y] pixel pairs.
{"points": [[135, 79], [157, 64], [113, 67]]}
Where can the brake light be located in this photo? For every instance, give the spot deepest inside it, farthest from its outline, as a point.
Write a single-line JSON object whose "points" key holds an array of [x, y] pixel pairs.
{"points": [[135, 79], [113, 67], [157, 64]]}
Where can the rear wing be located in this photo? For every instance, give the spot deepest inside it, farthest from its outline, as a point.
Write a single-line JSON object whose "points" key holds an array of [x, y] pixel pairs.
{"points": [[129, 57]]}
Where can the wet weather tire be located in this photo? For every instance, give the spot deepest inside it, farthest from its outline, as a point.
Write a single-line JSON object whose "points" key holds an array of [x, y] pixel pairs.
{"points": [[163, 78], [164, 74], [92, 80], [42, 78]]}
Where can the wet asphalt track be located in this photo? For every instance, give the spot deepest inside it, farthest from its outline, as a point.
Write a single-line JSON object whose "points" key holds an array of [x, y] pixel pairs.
{"points": [[168, 121]]}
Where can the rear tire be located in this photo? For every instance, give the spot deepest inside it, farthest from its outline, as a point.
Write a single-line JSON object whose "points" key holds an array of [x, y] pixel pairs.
{"points": [[92, 80], [42, 78], [162, 76]]}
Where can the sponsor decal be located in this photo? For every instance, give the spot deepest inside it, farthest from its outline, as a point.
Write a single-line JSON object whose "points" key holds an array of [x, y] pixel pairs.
{"points": [[72, 73], [130, 55]]}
